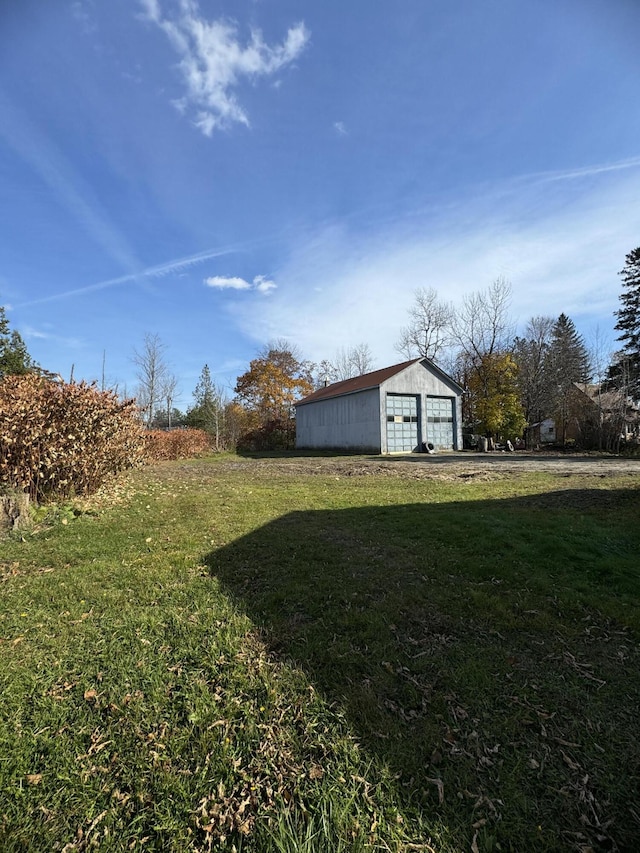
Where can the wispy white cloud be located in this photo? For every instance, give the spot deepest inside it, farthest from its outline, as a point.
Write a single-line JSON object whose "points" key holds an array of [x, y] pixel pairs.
{"points": [[260, 283], [587, 171], [31, 333], [177, 265], [181, 264], [340, 128], [213, 61], [263, 285], [83, 12], [560, 244]]}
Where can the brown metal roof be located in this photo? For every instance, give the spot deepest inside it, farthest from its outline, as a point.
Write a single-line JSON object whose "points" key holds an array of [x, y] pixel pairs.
{"points": [[359, 383]]}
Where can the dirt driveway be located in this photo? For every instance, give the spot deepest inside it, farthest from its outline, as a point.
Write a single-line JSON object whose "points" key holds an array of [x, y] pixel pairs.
{"points": [[443, 466], [567, 463]]}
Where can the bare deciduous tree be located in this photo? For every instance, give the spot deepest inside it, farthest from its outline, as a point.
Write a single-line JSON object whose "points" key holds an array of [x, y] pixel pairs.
{"points": [[341, 366], [483, 325], [600, 354], [169, 392], [531, 355], [152, 374], [351, 362], [482, 330], [324, 373], [428, 331], [347, 363], [361, 359]]}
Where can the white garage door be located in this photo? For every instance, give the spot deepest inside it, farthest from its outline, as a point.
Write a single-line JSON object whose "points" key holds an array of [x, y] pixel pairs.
{"points": [[402, 423], [440, 422]]}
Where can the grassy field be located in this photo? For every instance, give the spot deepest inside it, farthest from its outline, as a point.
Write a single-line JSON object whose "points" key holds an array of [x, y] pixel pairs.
{"points": [[264, 655]]}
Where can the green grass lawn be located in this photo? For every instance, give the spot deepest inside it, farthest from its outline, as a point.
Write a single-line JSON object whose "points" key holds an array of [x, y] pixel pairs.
{"points": [[268, 657]]}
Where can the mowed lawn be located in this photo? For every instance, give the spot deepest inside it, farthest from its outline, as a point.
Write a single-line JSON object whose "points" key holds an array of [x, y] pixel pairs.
{"points": [[272, 655]]}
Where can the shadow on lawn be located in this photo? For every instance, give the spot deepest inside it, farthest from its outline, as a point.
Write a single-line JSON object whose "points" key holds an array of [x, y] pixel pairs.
{"points": [[462, 642]]}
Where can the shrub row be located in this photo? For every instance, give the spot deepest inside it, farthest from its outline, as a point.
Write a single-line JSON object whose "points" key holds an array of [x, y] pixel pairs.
{"points": [[276, 434], [58, 439], [176, 443]]}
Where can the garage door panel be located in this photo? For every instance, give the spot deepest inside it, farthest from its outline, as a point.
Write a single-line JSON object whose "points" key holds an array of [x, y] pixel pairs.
{"points": [[440, 422], [402, 423]]}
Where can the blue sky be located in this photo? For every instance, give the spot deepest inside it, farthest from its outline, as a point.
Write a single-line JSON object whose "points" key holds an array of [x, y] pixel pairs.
{"points": [[222, 174]]}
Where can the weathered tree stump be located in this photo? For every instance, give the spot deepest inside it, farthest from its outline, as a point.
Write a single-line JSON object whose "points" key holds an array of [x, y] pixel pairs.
{"points": [[14, 511]]}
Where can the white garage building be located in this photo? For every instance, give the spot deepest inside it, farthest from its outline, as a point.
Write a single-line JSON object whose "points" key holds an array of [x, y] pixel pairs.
{"points": [[398, 409]]}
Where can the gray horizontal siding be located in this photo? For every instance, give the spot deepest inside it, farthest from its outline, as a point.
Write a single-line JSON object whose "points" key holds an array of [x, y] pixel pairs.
{"points": [[350, 422]]}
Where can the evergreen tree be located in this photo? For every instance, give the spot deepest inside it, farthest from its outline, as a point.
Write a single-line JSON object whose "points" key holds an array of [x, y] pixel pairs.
{"points": [[567, 365], [568, 357], [14, 358], [208, 413], [625, 372]]}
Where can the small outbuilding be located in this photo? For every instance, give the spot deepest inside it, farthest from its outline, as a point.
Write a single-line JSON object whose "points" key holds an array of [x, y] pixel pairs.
{"points": [[400, 409]]}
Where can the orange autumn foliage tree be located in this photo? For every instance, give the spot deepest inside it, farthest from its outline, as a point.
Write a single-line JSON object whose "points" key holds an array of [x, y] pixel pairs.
{"points": [[273, 384]]}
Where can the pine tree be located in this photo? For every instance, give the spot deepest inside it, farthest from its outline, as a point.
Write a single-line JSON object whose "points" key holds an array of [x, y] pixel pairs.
{"points": [[567, 365], [625, 372], [208, 411], [14, 358], [568, 355]]}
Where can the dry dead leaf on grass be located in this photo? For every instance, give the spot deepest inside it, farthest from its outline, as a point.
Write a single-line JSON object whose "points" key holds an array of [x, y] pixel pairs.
{"points": [[34, 778], [582, 668], [569, 761], [440, 786]]}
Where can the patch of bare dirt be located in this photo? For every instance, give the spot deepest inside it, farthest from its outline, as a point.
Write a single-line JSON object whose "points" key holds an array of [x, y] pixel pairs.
{"points": [[344, 467], [462, 467], [445, 466]]}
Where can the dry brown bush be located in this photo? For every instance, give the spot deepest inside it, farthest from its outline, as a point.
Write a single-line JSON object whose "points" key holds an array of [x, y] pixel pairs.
{"points": [[58, 439], [176, 444]]}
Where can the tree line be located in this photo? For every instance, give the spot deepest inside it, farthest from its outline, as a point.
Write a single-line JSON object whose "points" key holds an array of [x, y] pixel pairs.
{"points": [[260, 411], [511, 381], [514, 381]]}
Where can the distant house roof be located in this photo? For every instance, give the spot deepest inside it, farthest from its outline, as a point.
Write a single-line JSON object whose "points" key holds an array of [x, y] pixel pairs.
{"points": [[613, 401], [371, 380]]}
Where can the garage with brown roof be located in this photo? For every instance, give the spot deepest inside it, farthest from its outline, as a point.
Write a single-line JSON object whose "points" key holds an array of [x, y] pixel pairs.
{"points": [[399, 409]]}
